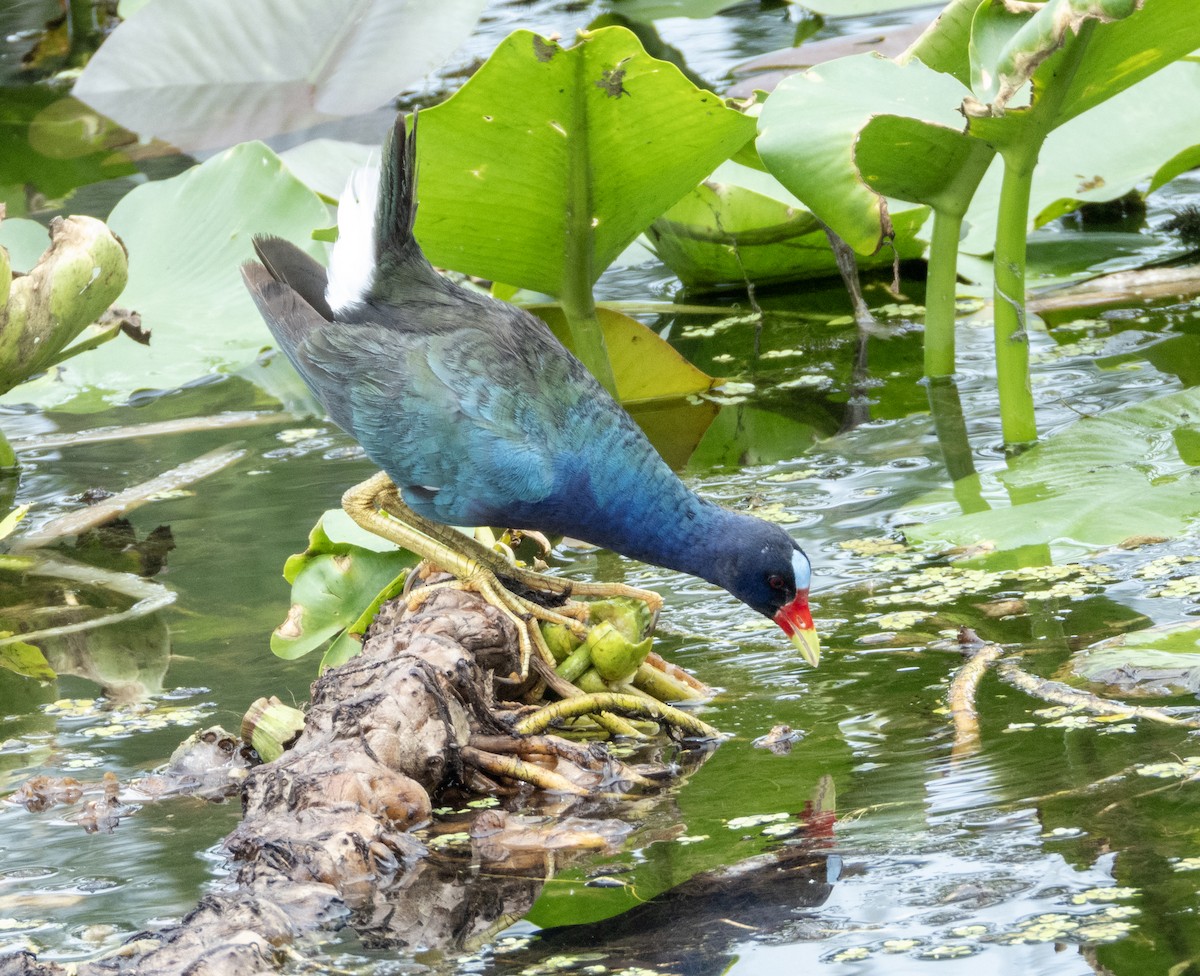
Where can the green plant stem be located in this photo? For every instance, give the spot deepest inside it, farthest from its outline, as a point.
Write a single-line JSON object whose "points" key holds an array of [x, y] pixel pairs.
{"points": [[940, 294], [1012, 340], [1020, 156], [587, 339], [578, 305], [8, 457]]}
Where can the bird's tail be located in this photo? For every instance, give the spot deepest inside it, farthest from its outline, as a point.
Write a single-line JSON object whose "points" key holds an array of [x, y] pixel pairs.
{"points": [[376, 213], [397, 208]]}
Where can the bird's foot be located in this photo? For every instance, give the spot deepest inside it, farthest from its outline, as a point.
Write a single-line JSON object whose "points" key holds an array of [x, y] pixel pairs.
{"points": [[523, 613], [524, 597]]}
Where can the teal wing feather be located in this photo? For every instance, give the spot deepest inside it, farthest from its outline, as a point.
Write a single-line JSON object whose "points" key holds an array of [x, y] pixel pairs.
{"points": [[467, 436]]}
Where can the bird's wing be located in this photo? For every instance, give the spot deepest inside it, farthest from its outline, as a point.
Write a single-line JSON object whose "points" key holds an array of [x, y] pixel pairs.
{"points": [[467, 434]]}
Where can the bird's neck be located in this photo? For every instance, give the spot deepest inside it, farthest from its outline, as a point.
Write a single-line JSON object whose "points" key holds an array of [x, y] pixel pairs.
{"points": [[681, 531]]}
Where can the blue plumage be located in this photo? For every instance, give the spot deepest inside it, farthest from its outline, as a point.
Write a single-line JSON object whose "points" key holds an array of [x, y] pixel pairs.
{"points": [[481, 417]]}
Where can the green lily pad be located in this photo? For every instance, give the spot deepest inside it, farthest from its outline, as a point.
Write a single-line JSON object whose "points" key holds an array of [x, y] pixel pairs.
{"points": [[809, 125], [742, 225], [557, 183], [1082, 56], [1102, 480], [348, 643], [842, 130], [1080, 162], [1154, 662]]}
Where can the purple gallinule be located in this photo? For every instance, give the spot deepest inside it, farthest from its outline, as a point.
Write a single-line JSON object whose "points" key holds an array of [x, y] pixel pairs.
{"points": [[479, 416]]}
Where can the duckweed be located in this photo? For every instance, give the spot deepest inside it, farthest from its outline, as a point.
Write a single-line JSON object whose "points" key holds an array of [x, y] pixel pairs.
{"points": [[1164, 566], [1103, 894], [853, 954], [456, 839], [1186, 767], [901, 619], [947, 952], [872, 546]]}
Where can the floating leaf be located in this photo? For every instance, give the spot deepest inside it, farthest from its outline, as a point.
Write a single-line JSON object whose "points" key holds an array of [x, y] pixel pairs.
{"points": [[333, 580], [1158, 661], [741, 225], [1102, 480], [349, 641], [211, 74]]}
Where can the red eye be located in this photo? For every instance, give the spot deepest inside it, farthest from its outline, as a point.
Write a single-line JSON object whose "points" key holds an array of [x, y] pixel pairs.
{"points": [[775, 581]]}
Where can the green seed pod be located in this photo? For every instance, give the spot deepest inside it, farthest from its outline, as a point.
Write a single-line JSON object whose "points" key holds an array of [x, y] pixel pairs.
{"points": [[630, 617], [614, 656]]}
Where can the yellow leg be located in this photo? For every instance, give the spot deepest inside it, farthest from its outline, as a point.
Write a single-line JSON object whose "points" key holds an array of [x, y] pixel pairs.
{"points": [[376, 506]]}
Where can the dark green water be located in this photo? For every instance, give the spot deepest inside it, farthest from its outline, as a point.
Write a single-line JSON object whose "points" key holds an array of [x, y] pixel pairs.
{"points": [[1046, 851]]}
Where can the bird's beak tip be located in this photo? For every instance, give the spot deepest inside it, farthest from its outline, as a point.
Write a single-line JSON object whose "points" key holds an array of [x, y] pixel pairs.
{"points": [[808, 644]]}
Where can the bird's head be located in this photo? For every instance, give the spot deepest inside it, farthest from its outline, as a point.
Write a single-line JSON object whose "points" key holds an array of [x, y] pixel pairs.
{"points": [[772, 574]]}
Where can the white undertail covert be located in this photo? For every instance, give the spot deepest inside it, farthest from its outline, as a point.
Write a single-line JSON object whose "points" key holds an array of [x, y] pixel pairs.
{"points": [[352, 261]]}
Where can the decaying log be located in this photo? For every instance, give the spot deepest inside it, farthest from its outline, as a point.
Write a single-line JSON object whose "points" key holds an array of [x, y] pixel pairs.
{"points": [[327, 836]]}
